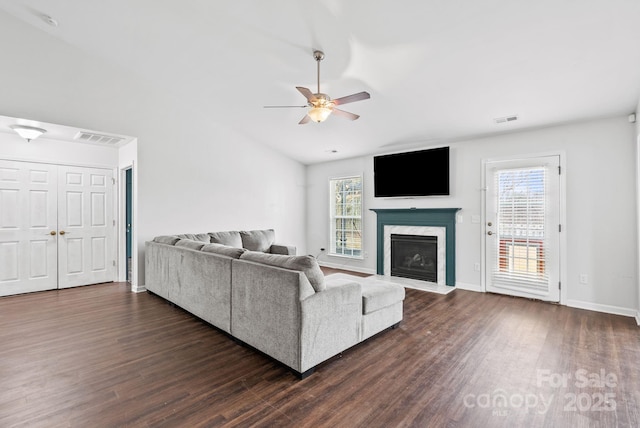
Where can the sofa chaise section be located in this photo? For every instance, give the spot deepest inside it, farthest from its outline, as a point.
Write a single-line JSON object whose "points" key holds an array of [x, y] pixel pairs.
{"points": [[278, 312]]}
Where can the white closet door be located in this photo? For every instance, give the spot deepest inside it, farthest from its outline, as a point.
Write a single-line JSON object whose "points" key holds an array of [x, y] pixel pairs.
{"points": [[86, 230], [28, 227]]}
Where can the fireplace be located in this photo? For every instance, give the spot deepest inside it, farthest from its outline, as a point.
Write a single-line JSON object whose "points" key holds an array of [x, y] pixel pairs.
{"points": [[434, 225], [415, 257], [418, 249]]}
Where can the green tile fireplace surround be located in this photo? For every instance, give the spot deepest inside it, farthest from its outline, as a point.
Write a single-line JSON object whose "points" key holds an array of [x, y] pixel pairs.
{"points": [[433, 217]]}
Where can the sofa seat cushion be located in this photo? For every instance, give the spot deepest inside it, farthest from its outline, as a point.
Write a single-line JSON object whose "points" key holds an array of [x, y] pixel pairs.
{"points": [[190, 243], [201, 237], [231, 238], [166, 239], [223, 250], [306, 264], [258, 240], [377, 295]]}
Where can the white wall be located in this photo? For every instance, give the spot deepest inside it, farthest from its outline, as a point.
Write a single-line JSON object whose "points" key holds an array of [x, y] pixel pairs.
{"points": [[193, 175], [14, 147], [600, 200]]}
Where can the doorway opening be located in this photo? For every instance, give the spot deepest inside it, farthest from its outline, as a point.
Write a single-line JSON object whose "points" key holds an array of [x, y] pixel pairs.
{"points": [[129, 223]]}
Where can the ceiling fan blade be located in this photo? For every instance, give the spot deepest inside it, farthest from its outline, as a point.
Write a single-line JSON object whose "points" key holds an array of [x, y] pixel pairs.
{"points": [[352, 98], [344, 114], [285, 106], [307, 93], [305, 119]]}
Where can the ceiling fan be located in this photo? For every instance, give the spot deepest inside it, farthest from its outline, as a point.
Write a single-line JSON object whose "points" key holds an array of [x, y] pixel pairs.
{"points": [[321, 105]]}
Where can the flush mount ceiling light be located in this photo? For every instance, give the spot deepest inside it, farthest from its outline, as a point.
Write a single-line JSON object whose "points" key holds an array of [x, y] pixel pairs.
{"points": [[28, 132]]}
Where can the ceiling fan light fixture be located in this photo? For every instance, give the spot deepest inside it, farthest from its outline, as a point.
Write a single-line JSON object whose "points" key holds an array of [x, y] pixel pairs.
{"points": [[28, 132], [319, 114], [321, 106]]}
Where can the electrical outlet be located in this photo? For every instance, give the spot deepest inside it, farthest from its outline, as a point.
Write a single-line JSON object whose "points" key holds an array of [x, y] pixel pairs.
{"points": [[584, 278], [476, 267], [366, 254]]}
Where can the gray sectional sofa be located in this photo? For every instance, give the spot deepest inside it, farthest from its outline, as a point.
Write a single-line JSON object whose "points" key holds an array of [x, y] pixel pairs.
{"points": [[265, 296]]}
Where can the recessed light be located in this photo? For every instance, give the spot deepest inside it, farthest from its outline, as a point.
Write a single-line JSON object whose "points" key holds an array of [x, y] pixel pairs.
{"points": [[49, 20]]}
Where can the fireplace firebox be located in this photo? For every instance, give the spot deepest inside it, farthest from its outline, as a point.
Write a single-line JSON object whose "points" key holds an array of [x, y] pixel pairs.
{"points": [[414, 256]]}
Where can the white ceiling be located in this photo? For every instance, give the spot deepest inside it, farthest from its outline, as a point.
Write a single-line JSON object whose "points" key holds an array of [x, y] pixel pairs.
{"points": [[437, 71]]}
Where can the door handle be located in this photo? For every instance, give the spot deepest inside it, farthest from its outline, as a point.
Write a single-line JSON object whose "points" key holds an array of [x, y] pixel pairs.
{"points": [[52, 233], [62, 232], [489, 233]]}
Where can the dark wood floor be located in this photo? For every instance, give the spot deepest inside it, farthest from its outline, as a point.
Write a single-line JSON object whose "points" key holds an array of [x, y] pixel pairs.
{"points": [[101, 356]]}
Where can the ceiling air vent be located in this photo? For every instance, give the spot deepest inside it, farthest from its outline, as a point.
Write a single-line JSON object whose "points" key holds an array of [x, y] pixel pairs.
{"points": [[91, 137], [506, 119]]}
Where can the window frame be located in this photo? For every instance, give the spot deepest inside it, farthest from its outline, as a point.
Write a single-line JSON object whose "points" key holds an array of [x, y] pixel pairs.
{"points": [[333, 217]]}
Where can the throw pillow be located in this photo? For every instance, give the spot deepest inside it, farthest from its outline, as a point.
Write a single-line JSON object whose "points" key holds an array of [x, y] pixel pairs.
{"points": [[202, 237], [258, 240], [306, 264], [166, 239], [190, 243], [231, 239], [224, 250]]}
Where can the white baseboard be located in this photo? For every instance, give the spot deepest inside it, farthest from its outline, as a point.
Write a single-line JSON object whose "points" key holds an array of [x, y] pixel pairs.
{"points": [[469, 287], [346, 267], [608, 309], [138, 288]]}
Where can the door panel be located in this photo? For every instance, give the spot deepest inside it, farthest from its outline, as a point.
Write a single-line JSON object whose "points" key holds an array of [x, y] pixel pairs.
{"points": [[28, 215], [523, 219], [86, 248]]}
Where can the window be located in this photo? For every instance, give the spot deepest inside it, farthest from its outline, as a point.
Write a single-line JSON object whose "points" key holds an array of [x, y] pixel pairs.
{"points": [[346, 216], [521, 220]]}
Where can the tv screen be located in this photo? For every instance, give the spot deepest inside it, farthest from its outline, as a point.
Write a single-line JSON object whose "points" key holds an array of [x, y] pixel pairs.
{"points": [[420, 173]]}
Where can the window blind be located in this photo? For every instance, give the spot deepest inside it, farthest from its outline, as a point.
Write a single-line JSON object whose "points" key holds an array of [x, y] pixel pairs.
{"points": [[522, 250]]}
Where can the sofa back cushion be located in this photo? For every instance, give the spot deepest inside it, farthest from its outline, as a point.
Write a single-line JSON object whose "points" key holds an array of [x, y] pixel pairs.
{"points": [[224, 250], [258, 240], [190, 243], [306, 264], [202, 237], [231, 239], [166, 239]]}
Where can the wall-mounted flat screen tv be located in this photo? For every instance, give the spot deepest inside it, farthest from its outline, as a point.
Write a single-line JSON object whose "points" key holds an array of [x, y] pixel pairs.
{"points": [[419, 173]]}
